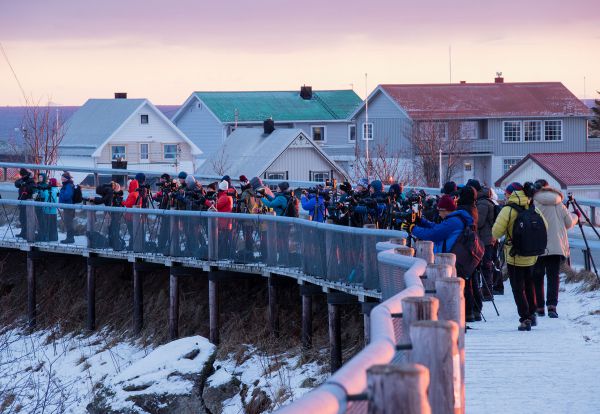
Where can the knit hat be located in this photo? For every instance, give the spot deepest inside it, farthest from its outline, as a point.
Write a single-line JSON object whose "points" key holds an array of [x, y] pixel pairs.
{"points": [[447, 203], [190, 181], [514, 187], [256, 183], [377, 186], [283, 186], [67, 175], [182, 175], [226, 178], [23, 172], [53, 182], [467, 196], [140, 177], [44, 176], [243, 179], [166, 177], [345, 186], [395, 189], [475, 184], [363, 182], [449, 188], [223, 185]]}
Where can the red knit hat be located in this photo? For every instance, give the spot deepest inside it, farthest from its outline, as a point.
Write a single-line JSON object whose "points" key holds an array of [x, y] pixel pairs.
{"points": [[446, 202]]}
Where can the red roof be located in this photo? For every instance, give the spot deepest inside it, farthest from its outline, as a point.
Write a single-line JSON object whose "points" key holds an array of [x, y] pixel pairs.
{"points": [[568, 168], [486, 100]]}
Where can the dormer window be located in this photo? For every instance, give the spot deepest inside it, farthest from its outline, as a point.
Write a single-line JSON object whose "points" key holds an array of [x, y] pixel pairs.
{"points": [[143, 119]]}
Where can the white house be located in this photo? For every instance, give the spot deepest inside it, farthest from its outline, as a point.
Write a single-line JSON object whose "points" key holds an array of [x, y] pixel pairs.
{"points": [[133, 130], [284, 154]]}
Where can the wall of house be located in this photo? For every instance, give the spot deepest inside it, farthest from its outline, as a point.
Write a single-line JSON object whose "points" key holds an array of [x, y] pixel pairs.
{"points": [[336, 137], [529, 171], [201, 127], [298, 162]]}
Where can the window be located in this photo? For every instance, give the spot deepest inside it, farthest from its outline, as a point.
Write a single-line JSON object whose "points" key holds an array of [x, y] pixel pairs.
{"points": [[351, 133], [512, 131], [319, 176], [468, 129], [318, 133], [118, 152], [170, 151], [532, 131], [468, 166], [508, 163], [275, 176], [553, 130], [144, 119], [367, 133], [144, 152]]}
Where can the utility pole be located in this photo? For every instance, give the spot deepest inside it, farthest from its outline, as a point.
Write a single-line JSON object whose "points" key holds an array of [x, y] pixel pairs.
{"points": [[366, 130]]}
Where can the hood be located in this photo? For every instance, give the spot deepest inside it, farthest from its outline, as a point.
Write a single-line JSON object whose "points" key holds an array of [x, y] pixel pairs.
{"points": [[133, 185], [519, 198], [377, 186], [44, 177], [464, 214], [548, 196]]}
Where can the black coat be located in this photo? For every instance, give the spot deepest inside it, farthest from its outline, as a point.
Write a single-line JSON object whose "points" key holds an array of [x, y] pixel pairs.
{"points": [[26, 186]]}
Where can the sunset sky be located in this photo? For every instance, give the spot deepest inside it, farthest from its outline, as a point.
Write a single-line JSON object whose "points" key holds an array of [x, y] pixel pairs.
{"points": [[72, 50]]}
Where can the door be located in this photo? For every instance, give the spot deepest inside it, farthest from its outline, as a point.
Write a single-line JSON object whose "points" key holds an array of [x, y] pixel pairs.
{"points": [[468, 170], [144, 153]]}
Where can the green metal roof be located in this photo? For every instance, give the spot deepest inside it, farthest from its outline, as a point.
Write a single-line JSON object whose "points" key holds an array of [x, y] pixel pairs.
{"points": [[280, 105]]}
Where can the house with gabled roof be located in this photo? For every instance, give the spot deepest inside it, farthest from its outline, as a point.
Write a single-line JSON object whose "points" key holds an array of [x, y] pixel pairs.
{"points": [[208, 118], [132, 130], [281, 154], [498, 123]]}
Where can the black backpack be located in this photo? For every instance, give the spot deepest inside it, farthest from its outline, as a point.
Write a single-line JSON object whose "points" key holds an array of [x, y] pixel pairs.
{"points": [[291, 209], [468, 250], [77, 194], [529, 235]]}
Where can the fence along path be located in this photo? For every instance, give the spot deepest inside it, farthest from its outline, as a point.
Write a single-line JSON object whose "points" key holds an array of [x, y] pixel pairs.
{"points": [[334, 258]]}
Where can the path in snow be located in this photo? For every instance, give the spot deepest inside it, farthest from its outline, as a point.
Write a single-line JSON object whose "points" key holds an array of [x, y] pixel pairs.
{"points": [[552, 369]]}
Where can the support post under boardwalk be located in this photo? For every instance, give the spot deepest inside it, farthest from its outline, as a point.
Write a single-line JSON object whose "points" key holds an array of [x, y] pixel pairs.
{"points": [[173, 306], [138, 299], [91, 296], [366, 308], [307, 292], [31, 286], [213, 307], [273, 307], [334, 301]]}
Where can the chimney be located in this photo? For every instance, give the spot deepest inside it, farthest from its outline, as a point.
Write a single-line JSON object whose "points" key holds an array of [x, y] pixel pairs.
{"points": [[120, 95], [463, 82], [306, 92], [268, 126], [498, 78]]}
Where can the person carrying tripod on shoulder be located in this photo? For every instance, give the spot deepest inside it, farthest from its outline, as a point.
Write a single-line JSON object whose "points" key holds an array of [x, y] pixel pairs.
{"points": [[525, 230], [550, 202]]}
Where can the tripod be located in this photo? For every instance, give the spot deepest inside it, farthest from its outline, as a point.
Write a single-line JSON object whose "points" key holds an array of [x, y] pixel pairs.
{"points": [[588, 252]]}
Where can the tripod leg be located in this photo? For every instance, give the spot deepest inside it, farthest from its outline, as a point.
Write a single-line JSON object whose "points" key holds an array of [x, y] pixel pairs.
{"points": [[487, 286]]}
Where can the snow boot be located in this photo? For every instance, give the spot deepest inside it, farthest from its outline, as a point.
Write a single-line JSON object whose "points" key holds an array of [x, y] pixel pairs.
{"points": [[552, 312], [525, 325], [477, 316], [533, 319], [470, 318], [542, 312]]}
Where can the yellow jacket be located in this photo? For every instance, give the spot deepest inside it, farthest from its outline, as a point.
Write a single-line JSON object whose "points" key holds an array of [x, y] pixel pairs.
{"points": [[504, 225]]}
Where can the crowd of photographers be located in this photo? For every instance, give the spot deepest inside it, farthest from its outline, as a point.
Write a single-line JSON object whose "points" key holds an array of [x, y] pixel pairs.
{"points": [[465, 220]]}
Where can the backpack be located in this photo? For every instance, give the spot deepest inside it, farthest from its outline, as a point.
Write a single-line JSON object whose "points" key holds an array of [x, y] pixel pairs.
{"points": [[529, 235], [468, 250], [292, 209], [77, 194]]}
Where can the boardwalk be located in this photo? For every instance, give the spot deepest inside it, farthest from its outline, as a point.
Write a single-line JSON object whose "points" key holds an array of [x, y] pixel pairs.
{"points": [[553, 369]]}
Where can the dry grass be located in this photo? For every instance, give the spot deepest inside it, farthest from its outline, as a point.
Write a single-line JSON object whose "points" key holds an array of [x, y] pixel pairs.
{"points": [[589, 281]]}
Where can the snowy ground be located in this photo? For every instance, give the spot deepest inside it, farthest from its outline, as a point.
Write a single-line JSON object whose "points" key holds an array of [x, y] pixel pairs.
{"points": [[552, 369]]}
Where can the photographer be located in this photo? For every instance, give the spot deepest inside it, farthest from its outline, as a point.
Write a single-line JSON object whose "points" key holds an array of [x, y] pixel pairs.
{"points": [[65, 196], [26, 185], [314, 202], [341, 208], [166, 187], [51, 212], [135, 199], [41, 194], [106, 194], [250, 199], [283, 202]]}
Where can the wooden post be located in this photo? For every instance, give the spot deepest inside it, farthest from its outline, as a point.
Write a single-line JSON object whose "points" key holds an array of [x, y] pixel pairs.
{"points": [[138, 299], [417, 308], [424, 250], [139, 234], [174, 244], [31, 287], [213, 238], [405, 251], [307, 329], [273, 307], [96, 179], [447, 259], [398, 389], [31, 224], [5, 173], [335, 337], [173, 306], [213, 307], [91, 296], [435, 346], [435, 272], [89, 226], [450, 292], [369, 252], [401, 241]]}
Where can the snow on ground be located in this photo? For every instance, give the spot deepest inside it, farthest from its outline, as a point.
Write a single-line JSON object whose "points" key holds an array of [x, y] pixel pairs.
{"points": [[552, 369]]}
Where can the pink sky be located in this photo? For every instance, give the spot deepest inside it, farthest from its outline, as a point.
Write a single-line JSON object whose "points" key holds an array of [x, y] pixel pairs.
{"points": [[72, 50]]}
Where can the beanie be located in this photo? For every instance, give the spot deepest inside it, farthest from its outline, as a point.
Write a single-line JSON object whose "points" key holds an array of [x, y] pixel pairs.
{"points": [[475, 184], [23, 172], [140, 177], [53, 182], [190, 181], [223, 185], [182, 175], [514, 187], [243, 179], [166, 177], [283, 186], [449, 188], [226, 178], [345, 186], [363, 182], [446, 202], [377, 186], [67, 175], [256, 183]]}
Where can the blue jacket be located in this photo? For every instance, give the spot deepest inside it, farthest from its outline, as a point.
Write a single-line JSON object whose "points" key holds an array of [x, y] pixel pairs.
{"points": [[309, 203], [448, 230], [66, 193], [278, 203]]}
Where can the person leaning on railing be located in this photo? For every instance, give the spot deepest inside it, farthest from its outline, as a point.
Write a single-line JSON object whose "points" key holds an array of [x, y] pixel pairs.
{"points": [[65, 196]]}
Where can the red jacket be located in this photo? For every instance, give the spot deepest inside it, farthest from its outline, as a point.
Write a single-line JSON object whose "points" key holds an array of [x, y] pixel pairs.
{"points": [[224, 202], [133, 195]]}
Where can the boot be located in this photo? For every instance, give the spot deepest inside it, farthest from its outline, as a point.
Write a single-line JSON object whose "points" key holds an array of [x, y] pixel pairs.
{"points": [[525, 325], [70, 238], [533, 320], [552, 312], [542, 312], [477, 316], [470, 318]]}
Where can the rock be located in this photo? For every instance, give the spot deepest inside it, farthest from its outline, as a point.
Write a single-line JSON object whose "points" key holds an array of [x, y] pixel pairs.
{"points": [[308, 383], [215, 394]]}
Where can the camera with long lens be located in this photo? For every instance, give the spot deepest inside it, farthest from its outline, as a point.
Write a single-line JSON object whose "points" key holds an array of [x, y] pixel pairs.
{"points": [[117, 200], [410, 211]]}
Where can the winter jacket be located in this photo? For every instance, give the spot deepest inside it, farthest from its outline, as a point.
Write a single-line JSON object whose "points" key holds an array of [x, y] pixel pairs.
{"points": [[51, 196], [504, 227], [133, 199], [249, 202], [278, 202], [485, 221], [224, 202], [447, 231], [25, 186], [549, 201], [106, 196], [309, 203], [65, 195]]}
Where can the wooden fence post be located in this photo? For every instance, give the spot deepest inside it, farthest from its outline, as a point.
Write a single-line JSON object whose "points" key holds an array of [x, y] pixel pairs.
{"points": [[173, 305], [213, 238], [401, 241], [424, 250], [138, 240], [398, 389], [434, 272], [405, 251], [335, 336], [30, 223], [273, 306], [213, 307], [31, 290], [435, 346], [89, 227], [138, 298], [447, 259], [91, 295], [417, 308]]}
